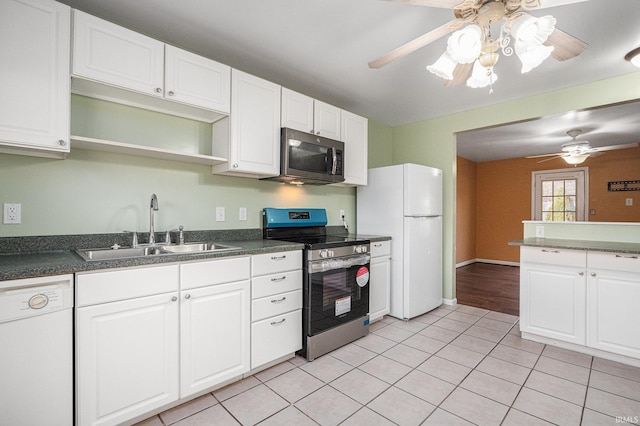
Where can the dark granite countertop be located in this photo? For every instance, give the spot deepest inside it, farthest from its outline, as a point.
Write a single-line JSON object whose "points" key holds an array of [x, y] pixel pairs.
{"points": [[43, 263], [608, 246]]}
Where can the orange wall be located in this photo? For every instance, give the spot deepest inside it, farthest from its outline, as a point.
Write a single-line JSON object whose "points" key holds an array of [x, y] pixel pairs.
{"points": [[503, 197], [466, 171]]}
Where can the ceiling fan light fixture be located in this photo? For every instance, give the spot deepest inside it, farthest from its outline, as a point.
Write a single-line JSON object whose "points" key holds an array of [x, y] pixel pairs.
{"points": [[481, 76], [465, 45], [443, 67], [531, 58], [530, 32], [634, 57], [575, 159]]}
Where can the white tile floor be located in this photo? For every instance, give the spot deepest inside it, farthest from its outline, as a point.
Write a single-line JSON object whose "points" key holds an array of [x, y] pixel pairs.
{"points": [[457, 365]]}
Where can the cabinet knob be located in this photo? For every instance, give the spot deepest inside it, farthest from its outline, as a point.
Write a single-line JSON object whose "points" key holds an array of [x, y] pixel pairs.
{"points": [[235, 165], [171, 93], [158, 90], [62, 142], [581, 273], [593, 274], [187, 296], [174, 298]]}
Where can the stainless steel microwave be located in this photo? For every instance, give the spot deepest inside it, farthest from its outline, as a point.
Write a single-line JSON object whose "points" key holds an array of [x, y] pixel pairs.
{"points": [[309, 159]]}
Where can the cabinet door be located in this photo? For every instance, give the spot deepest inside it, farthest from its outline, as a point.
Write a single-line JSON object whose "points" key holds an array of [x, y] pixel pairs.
{"points": [[297, 111], [612, 303], [126, 358], [197, 81], [214, 338], [255, 125], [114, 55], [275, 337], [553, 301], [34, 76], [379, 287], [326, 120], [355, 135]]}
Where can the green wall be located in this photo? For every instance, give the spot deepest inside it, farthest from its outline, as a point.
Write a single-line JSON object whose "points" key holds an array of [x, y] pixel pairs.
{"points": [[96, 192], [433, 142]]}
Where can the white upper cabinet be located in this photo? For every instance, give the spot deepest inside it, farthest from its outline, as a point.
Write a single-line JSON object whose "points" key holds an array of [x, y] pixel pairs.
{"points": [[355, 135], [297, 111], [34, 77], [195, 80], [250, 137], [303, 113], [326, 120], [110, 54]]}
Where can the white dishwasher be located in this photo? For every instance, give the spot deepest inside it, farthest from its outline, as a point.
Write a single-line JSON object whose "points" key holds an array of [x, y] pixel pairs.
{"points": [[36, 351]]}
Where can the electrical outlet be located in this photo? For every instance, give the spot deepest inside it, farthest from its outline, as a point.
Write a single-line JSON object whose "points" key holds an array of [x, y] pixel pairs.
{"points": [[628, 202], [341, 214], [219, 214], [539, 231], [242, 213], [12, 213]]}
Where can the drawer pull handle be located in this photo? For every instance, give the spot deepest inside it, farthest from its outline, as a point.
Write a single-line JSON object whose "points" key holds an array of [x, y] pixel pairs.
{"points": [[282, 278], [550, 251], [278, 322], [279, 257], [279, 300], [377, 245], [627, 257]]}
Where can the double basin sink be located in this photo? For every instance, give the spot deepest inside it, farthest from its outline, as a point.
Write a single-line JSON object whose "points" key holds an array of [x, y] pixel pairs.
{"points": [[152, 250]]}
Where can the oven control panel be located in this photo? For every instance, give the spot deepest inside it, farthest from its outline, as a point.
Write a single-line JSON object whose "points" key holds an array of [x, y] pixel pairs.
{"points": [[338, 251]]}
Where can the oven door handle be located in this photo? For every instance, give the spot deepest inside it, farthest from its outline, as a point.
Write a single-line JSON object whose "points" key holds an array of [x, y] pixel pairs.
{"points": [[325, 265]]}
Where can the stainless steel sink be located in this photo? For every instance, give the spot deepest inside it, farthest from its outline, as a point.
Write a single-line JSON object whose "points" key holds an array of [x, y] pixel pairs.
{"points": [[196, 247], [154, 250]]}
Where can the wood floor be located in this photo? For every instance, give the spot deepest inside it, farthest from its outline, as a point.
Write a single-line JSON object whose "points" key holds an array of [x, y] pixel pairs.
{"points": [[489, 286]]}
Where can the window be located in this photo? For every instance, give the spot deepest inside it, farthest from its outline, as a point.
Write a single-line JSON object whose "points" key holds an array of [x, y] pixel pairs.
{"points": [[560, 195]]}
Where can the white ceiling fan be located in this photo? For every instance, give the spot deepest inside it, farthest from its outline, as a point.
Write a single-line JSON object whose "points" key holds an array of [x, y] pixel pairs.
{"points": [[576, 152], [472, 46]]}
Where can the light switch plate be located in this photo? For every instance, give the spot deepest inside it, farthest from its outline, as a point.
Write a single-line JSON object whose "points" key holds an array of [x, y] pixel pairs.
{"points": [[219, 214], [539, 231]]}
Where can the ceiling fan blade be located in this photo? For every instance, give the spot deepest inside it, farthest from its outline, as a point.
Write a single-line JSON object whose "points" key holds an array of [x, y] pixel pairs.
{"points": [[549, 159], [417, 43], [547, 155], [460, 75], [566, 46], [554, 3], [446, 4], [612, 147]]}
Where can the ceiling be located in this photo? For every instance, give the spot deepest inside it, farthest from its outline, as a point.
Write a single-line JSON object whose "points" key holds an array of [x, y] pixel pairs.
{"points": [[322, 47]]}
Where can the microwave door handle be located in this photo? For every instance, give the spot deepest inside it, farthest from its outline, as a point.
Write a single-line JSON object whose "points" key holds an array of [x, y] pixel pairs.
{"points": [[334, 159]]}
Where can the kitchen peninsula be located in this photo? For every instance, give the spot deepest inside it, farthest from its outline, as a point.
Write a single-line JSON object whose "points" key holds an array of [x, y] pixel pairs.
{"points": [[580, 287]]}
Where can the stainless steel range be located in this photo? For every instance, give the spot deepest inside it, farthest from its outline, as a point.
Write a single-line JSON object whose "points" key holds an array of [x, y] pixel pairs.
{"points": [[335, 278]]}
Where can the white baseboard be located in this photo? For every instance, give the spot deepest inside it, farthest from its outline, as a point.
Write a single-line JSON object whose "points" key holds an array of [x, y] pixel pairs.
{"points": [[494, 262], [450, 302]]}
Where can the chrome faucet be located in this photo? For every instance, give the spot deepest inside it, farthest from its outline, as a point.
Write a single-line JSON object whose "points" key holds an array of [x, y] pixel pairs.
{"points": [[153, 207]]}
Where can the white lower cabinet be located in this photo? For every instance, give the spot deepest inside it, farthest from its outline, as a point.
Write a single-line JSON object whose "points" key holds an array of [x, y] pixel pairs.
{"points": [[127, 353], [149, 336], [380, 279], [581, 297], [613, 295], [276, 307], [214, 323]]}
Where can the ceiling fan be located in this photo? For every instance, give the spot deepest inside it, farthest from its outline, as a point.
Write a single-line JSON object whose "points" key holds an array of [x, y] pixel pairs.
{"points": [[575, 151], [472, 46]]}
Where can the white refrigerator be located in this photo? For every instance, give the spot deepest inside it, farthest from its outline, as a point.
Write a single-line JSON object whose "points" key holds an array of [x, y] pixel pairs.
{"points": [[405, 202]]}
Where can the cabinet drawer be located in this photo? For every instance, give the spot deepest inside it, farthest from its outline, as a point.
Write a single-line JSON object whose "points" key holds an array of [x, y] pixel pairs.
{"points": [[275, 337], [269, 285], [275, 305], [108, 286], [623, 262], [552, 256], [269, 263], [199, 274], [380, 248]]}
